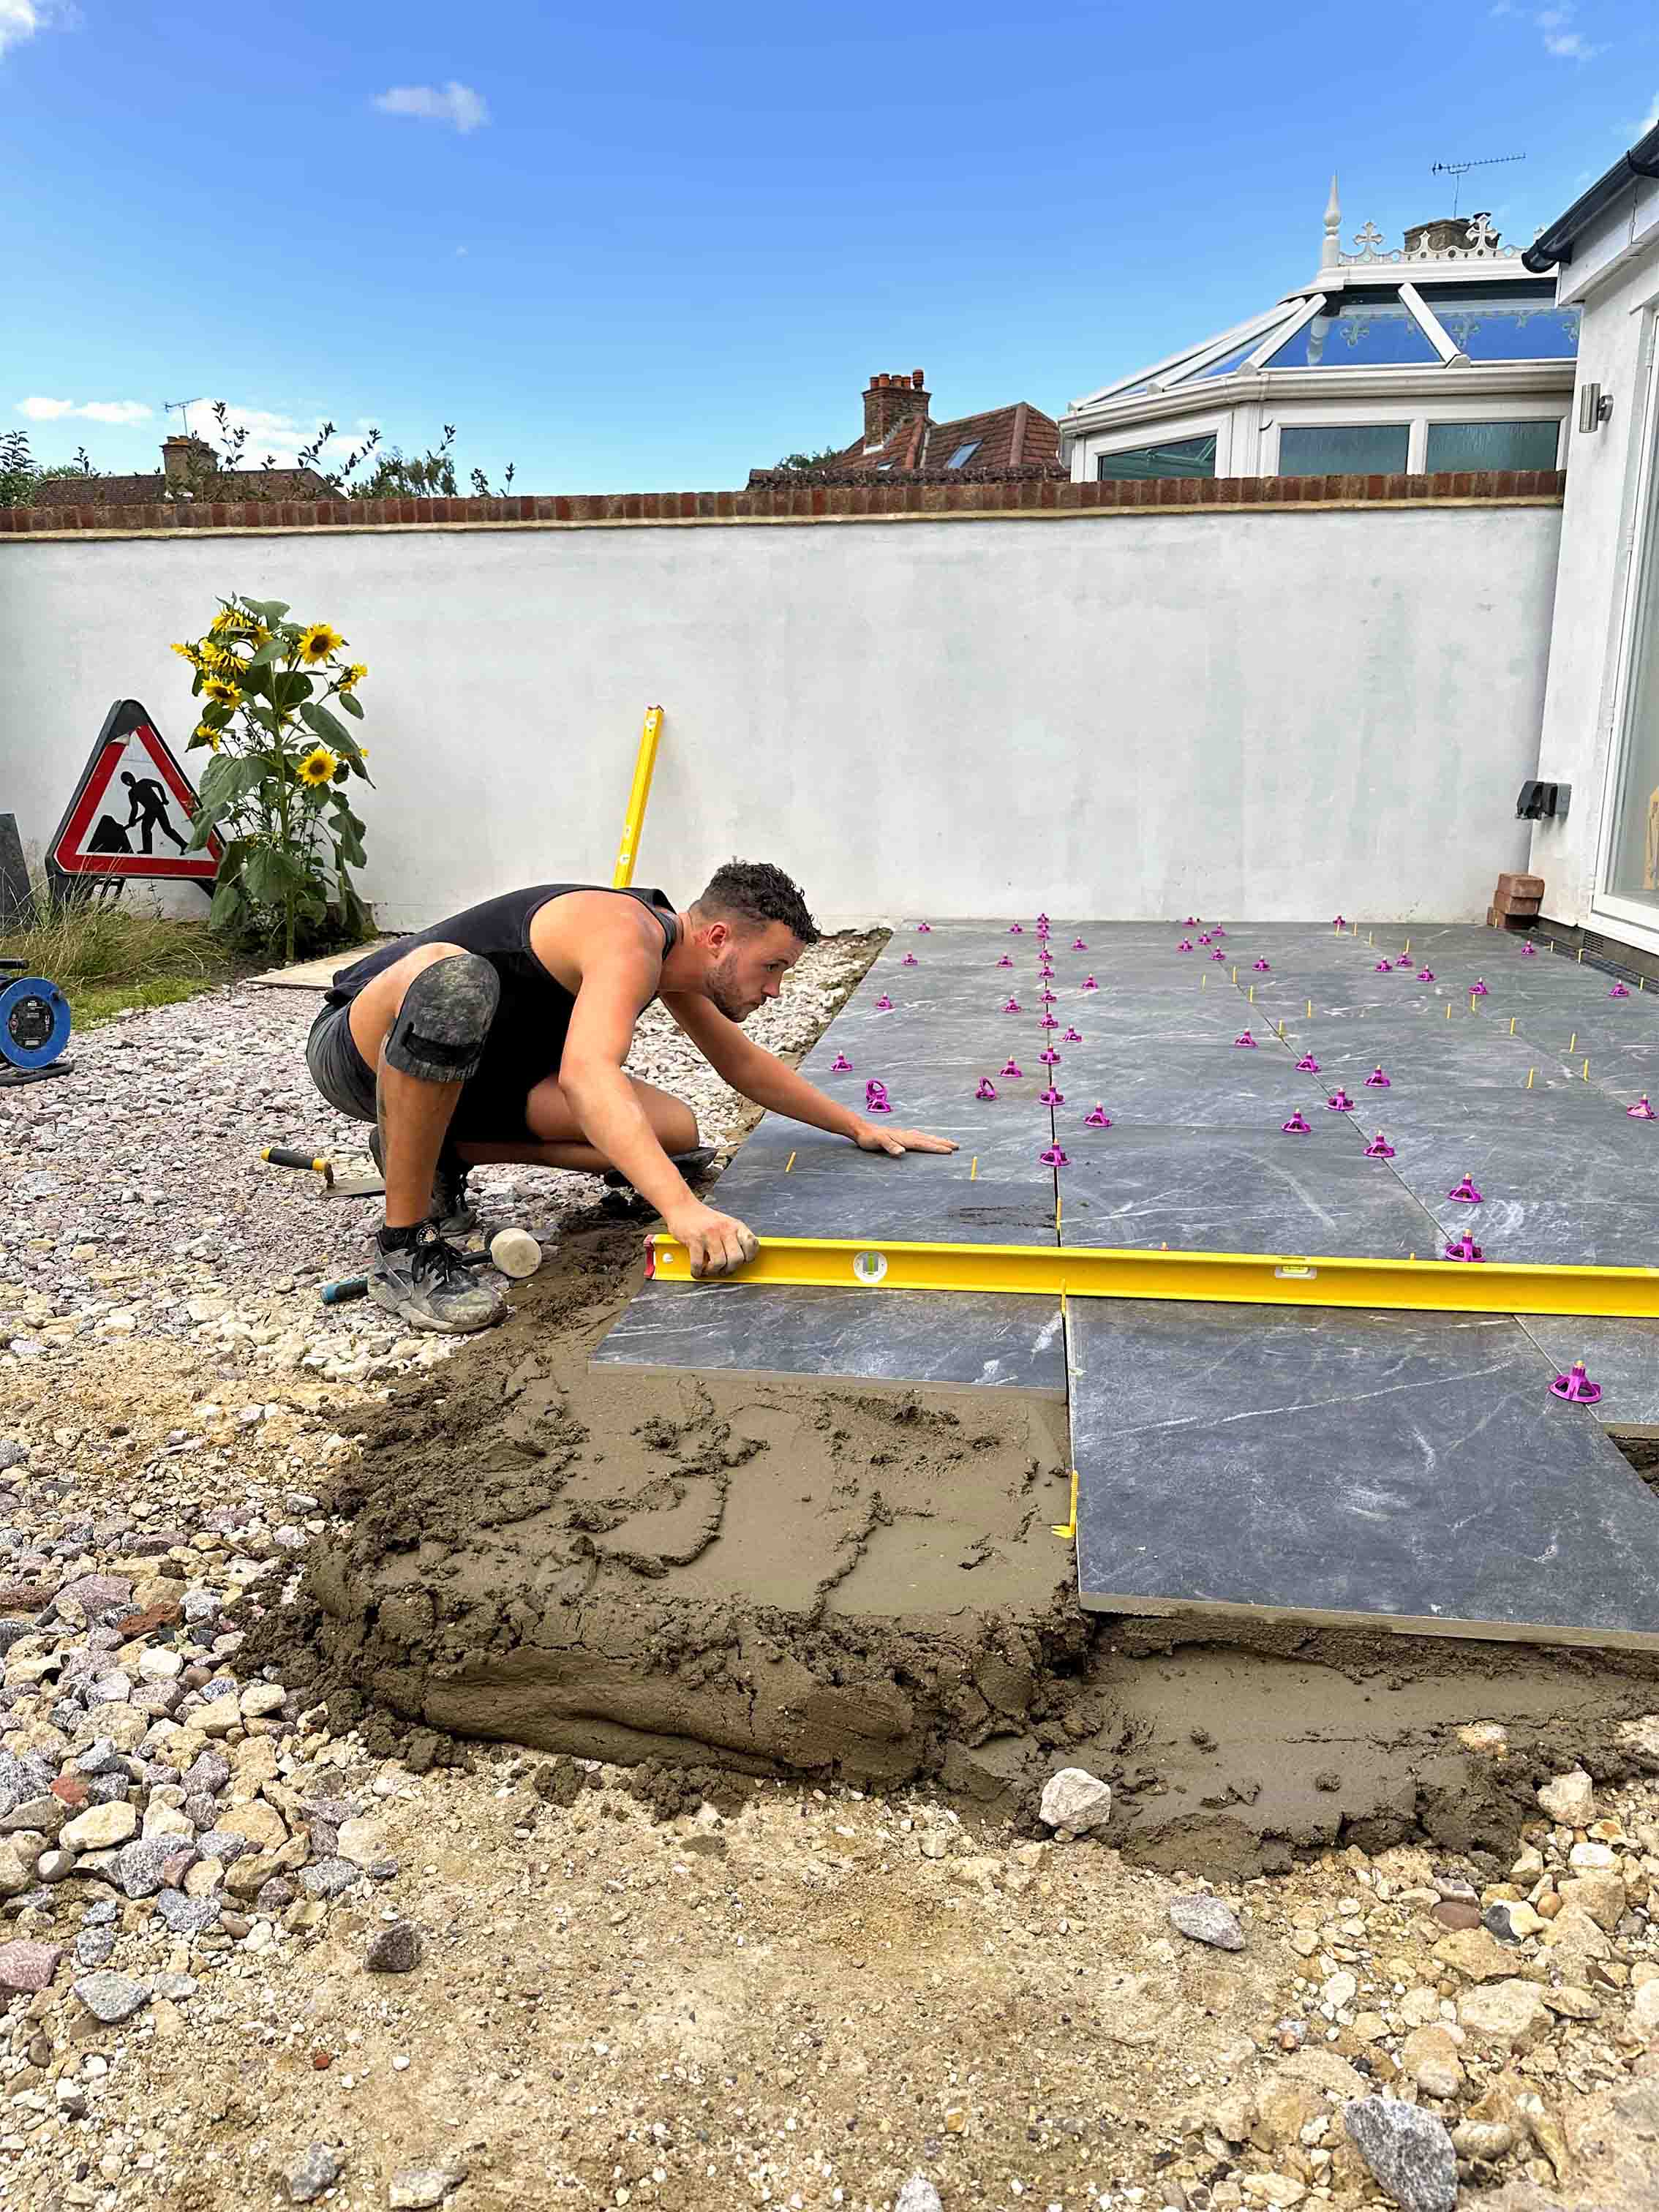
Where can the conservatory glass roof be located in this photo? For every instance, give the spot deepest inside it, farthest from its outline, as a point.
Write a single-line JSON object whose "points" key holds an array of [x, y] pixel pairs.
{"points": [[1451, 298]]}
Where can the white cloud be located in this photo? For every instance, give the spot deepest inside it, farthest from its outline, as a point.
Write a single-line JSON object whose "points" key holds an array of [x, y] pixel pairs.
{"points": [[22, 19], [121, 411], [456, 104], [1649, 121], [1565, 45]]}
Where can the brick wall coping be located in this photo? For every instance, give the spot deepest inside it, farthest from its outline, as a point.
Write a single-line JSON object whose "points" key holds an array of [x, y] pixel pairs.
{"points": [[1009, 501]]}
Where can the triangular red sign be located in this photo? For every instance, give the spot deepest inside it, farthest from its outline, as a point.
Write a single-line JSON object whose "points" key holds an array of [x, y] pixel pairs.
{"points": [[131, 811]]}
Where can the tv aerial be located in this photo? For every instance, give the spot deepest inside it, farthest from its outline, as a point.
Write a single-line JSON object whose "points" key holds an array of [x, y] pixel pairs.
{"points": [[1458, 170]]}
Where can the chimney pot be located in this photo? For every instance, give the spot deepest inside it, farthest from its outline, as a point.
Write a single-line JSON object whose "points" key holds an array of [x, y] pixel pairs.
{"points": [[891, 399]]}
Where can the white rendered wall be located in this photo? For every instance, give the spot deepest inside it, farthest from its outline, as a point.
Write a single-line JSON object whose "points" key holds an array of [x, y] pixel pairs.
{"points": [[1272, 715], [1614, 274]]}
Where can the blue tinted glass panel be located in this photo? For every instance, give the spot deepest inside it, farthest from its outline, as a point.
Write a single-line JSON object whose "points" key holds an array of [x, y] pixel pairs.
{"points": [[1184, 456], [964, 454], [1491, 446], [1228, 362], [1343, 449], [1501, 322], [1358, 330]]}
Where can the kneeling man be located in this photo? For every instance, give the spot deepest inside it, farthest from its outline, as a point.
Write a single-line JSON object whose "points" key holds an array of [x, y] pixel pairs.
{"points": [[501, 1034]]}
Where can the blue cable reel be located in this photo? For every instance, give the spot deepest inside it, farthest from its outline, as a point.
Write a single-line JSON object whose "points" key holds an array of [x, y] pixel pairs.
{"points": [[34, 1026]]}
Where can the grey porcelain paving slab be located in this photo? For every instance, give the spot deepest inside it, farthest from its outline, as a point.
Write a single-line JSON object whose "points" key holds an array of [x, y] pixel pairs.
{"points": [[1579, 1034], [1551, 1113], [898, 1200], [1241, 1092], [1608, 1161], [1402, 1471], [1229, 1190], [1622, 1355], [1557, 1232], [944, 1339]]}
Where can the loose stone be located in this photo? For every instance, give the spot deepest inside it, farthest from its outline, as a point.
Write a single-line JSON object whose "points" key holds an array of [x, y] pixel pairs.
{"points": [[1407, 2150], [1076, 1799], [1207, 1920], [318, 2169], [111, 1997], [419, 2187], [396, 1949]]}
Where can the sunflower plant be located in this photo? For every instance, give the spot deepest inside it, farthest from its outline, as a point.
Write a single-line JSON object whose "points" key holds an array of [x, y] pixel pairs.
{"points": [[275, 791]]}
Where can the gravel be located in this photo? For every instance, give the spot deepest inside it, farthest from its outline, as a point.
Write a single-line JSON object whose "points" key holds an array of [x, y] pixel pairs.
{"points": [[119, 1235]]}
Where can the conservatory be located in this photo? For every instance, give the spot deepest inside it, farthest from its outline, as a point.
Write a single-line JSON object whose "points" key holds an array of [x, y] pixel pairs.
{"points": [[1447, 353]]}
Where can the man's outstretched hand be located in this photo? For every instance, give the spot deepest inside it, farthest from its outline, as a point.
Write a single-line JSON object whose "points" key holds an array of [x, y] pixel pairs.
{"points": [[870, 1138], [715, 1243]]}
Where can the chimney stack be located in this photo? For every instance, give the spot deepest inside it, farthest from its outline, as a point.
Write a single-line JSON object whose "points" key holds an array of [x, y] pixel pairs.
{"points": [[891, 400], [183, 459]]}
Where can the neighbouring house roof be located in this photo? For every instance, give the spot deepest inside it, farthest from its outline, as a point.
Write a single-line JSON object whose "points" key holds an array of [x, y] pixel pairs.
{"points": [[1002, 437], [149, 490], [913, 448]]}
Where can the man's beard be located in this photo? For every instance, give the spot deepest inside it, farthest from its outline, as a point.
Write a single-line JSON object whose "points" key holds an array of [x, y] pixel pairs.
{"points": [[722, 990]]}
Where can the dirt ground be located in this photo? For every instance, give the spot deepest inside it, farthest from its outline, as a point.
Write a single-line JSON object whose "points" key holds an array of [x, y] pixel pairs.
{"points": [[693, 1985]]}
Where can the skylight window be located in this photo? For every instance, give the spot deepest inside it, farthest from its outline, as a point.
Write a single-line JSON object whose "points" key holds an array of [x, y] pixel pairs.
{"points": [[1492, 322], [1358, 330], [964, 454]]}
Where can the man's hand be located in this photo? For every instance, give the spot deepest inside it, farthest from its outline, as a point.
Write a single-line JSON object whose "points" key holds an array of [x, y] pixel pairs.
{"points": [[715, 1243], [870, 1138]]}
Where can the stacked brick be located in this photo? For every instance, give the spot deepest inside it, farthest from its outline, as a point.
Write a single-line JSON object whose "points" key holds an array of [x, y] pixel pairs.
{"points": [[1515, 902]]}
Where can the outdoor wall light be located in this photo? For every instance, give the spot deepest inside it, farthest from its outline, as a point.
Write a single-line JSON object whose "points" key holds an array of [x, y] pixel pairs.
{"points": [[1543, 801], [1594, 406]]}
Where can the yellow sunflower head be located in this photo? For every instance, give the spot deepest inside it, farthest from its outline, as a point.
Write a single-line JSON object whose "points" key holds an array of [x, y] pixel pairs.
{"points": [[225, 620], [209, 735], [318, 766], [353, 676], [318, 641], [189, 652], [221, 693]]}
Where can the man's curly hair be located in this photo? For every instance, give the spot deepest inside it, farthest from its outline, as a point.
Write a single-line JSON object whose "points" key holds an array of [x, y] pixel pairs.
{"points": [[754, 892]]}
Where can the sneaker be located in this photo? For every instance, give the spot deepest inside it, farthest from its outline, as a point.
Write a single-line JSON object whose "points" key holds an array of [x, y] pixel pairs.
{"points": [[428, 1285], [450, 1210]]}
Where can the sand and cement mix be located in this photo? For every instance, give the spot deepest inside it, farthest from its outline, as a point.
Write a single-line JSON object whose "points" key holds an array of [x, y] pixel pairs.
{"points": [[790, 1577]]}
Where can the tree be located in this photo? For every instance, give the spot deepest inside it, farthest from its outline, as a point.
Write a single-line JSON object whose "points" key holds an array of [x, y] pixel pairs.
{"points": [[394, 475], [20, 472], [811, 460]]}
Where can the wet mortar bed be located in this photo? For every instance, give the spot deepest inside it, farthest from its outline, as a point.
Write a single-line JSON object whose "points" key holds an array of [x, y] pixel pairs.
{"points": [[860, 1582]]}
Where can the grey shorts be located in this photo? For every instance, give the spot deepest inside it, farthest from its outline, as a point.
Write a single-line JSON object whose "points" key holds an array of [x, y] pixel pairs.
{"points": [[338, 1068]]}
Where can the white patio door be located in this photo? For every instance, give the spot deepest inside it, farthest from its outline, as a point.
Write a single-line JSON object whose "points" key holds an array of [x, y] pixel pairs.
{"points": [[1630, 867]]}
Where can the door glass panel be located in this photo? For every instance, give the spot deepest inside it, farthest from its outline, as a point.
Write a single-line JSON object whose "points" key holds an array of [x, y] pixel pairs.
{"points": [[1633, 871]]}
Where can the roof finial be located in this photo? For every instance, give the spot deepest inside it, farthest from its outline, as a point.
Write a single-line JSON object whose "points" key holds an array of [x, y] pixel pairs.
{"points": [[1330, 253]]}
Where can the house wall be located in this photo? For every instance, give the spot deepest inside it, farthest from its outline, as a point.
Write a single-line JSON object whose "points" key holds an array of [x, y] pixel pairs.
{"points": [[1126, 709], [1615, 276]]}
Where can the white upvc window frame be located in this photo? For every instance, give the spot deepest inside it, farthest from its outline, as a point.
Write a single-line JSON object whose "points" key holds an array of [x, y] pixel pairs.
{"points": [[1130, 439], [1635, 921], [1359, 412]]}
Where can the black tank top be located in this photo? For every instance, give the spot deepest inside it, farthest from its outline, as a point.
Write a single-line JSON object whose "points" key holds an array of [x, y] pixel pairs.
{"points": [[527, 1038]]}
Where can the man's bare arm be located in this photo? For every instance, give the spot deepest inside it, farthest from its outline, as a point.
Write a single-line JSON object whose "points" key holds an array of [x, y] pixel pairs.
{"points": [[761, 1076], [619, 977]]}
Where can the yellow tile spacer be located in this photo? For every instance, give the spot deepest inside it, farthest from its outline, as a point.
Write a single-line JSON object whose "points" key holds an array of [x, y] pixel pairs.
{"points": [[788, 1164], [972, 1172], [1067, 1529]]}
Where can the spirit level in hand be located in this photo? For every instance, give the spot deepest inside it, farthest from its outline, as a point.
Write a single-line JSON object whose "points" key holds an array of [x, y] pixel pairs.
{"points": [[1432, 1285]]}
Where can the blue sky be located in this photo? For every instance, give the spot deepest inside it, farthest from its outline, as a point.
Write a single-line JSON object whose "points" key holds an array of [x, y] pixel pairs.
{"points": [[652, 247]]}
